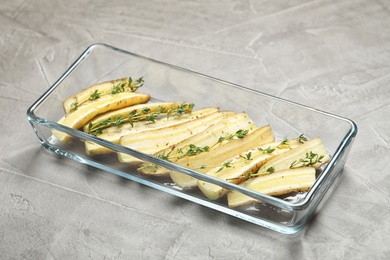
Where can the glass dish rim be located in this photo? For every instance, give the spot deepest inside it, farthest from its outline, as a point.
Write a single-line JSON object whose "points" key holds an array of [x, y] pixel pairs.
{"points": [[303, 204]]}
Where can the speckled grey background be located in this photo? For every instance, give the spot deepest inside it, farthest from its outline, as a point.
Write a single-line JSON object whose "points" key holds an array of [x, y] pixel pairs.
{"points": [[332, 55]]}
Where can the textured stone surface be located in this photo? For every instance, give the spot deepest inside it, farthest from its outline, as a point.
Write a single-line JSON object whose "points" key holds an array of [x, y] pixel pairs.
{"points": [[332, 55]]}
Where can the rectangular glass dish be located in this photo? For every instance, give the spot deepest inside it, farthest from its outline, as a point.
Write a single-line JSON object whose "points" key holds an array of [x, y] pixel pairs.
{"points": [[165, 82]]}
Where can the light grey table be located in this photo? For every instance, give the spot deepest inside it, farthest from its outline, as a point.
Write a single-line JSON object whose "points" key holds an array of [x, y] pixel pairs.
{"points": [[331, 55]]}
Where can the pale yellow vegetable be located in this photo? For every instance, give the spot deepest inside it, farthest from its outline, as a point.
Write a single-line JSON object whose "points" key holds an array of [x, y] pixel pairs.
{"points": [[298, 157], [88, 110], [102, 88], [243, 165], [152, 141], [165, 119], [311, 154], [114, 133], [231, 123], [139, 112], [275, 184], [204, 161]]}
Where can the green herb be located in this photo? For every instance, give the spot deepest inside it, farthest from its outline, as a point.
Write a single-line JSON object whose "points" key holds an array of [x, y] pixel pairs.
{"points": [[95, 95], [247, 156], [271, 170], [245, 176], [284, 144], [267, 150], [162, 156], [248, 175], [131, 85], [181, 109], [118, 121], [302, 138], [97, 128], [239, 134], [118, 88], [74, 106], [195, 150], [309, 160], [226, 164], [137, 83]]}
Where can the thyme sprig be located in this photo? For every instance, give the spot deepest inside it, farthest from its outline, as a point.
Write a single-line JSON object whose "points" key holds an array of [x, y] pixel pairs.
{"points": [[247, 156], [98, 127], [145, 114], [130, 84], [192, 150], [302, 138], [267, 150], [309, 160], [284, 144], [239, 134], [95, 95], [226, 164]]}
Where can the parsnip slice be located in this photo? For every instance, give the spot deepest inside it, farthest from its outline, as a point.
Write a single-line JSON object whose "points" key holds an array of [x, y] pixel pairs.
{"points": [[298, 157], [102, 88], [114, 133], [140, 112], [150, 142], [243, 165], [167, 119], [215, 157], [88, 110], [231, 123], [275, 184]]}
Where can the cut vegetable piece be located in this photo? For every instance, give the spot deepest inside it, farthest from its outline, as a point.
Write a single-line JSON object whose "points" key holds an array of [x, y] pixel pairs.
{"points": [[114, 133], [275, 184], [312, 153], [98, 90], [218, 155], [242, 166], [207, 139], [88, 110], [166, 119], [152, 141], [149, 112]]}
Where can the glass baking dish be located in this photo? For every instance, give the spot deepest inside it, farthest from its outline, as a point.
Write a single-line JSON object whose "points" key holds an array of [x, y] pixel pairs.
{"points": [[165, 82]]}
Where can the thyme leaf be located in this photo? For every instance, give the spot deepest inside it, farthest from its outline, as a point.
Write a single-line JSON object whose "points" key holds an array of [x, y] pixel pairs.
{"points": [[284, 143], [74, 106], [118, 88], [95, 95], [239, 134], [247, 156], [302, 138], [130, 85], [267, 150], [271, 170], [226, 164]]}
